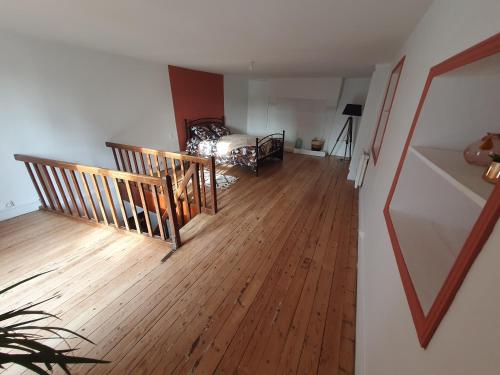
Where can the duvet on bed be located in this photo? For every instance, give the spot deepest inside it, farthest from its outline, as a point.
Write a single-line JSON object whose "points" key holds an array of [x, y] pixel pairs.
{"points": [[209, 137], [236, 149]]}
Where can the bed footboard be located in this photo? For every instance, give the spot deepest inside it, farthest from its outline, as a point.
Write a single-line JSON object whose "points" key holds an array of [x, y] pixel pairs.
{"points": [[277, 148]]}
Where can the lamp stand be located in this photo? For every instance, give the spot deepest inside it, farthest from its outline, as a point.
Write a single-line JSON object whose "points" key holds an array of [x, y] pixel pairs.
{"points": [[348, 139]]}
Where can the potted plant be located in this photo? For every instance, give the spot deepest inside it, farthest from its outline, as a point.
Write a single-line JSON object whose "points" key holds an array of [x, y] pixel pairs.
{"points": [[22, 339], [492, 173]]}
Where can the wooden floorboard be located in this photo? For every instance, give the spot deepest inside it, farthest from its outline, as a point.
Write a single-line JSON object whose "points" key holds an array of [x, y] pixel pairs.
{"points": [[268, 285]]}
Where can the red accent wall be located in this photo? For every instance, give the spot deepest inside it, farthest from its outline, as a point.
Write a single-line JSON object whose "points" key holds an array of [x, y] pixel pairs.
{"points": [[195, 94]]}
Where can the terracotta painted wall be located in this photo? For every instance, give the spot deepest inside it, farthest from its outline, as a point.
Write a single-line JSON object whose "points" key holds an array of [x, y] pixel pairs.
{"points": [[195, 94]]}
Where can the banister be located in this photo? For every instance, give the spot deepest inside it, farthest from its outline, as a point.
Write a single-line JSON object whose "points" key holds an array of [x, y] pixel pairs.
{"points": [[153, 194], [93, 170], [152, 151], [159, 162]]}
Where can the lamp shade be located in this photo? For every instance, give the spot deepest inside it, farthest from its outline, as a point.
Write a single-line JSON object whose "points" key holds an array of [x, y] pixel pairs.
{"points": [[352, 110]]}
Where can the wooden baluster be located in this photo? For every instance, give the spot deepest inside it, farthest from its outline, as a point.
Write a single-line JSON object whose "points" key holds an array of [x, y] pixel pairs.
{"points": [[158, 171], [174, 226], [120, 203], [157, 210], [107, 191], [52, 190], [70, 191], [196, 187], [185, 202], [157, 165], [124, 168], [38, 171], [145, 208], [80, 195], [148, 157], [132, 206], [128, 161], [116, 159], [144, 171], [166, 166], [135, 163], [61, 190], [213, 185], [179, 211], [174, 172], [99, 198], [89, 195], [203, 188], [37, 188]]}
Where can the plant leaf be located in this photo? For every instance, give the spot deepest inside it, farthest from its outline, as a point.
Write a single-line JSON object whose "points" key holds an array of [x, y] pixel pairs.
{"points": [[24, 281], [27, 349]]}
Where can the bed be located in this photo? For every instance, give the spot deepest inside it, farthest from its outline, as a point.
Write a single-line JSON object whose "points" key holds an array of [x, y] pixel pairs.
{"points": [[210, 137]]}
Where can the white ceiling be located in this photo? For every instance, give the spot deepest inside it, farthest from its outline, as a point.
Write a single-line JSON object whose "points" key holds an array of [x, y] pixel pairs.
{"points": [[283, 37]]}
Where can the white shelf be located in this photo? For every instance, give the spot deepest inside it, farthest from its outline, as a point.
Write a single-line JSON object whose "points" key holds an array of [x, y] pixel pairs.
{"points": [[428, 255], [452, 166], [309, 152]]}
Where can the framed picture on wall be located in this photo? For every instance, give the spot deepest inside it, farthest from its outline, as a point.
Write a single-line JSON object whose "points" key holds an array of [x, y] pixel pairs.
{"points": [[385, 111]]}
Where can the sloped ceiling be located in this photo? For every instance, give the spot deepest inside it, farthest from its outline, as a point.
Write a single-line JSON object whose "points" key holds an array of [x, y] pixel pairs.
{"points": [[283, 37]]}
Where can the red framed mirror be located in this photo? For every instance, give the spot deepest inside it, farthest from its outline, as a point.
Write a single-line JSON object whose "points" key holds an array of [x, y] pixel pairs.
{"points": [[440, 211]]}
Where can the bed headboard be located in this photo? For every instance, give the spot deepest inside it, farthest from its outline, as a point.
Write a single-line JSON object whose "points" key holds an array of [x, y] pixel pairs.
{"points": [[205, 121]]}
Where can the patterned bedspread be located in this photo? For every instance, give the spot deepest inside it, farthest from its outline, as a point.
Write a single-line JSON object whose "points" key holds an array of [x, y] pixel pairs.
{"points": [[225, 153]]}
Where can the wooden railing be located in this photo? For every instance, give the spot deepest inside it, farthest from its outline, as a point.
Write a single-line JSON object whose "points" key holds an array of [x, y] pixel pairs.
{"points": [[64, 188], [188, 174]]}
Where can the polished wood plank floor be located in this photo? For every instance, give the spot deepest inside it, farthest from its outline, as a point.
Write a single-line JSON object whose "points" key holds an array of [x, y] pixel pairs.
{"points": [[268, 285]]}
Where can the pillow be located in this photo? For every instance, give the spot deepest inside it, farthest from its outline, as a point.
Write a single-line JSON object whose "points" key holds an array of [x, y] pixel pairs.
{"points": [[220, 130], [203, 133], [192, 145]]}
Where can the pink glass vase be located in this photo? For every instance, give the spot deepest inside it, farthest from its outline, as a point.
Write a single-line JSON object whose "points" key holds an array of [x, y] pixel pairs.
{"points": [[478, 153]]}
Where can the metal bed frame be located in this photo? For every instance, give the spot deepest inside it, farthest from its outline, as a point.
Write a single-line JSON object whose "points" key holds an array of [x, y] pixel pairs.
{"points": [[277, 153]]}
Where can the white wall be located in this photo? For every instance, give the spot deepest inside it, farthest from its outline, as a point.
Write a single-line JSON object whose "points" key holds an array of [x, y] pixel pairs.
{"points": [[371, 110], [354, 91], [468, 338], [63, 102], [462, 93], [236, 102], [303, 107]]}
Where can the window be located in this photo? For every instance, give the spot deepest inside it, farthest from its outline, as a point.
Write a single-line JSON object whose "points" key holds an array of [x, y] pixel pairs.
{"points": [[390, 93]]}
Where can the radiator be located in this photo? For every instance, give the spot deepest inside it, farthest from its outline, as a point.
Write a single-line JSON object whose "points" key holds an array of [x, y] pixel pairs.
{"points": [[360, 172]]}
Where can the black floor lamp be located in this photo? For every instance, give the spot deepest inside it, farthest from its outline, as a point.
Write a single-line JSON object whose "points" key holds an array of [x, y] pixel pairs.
{"points": [[351, 110]]}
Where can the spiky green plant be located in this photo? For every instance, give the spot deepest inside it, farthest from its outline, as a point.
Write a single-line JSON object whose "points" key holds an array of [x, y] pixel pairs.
{"points": [[495, 157], [22, 342]]}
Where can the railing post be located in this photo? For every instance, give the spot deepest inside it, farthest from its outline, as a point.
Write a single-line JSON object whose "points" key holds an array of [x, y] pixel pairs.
{"points": [[213, 186], [172, 216]]}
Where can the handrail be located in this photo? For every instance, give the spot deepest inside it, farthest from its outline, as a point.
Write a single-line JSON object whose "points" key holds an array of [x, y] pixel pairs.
{"points": [[152, 151], [192, 195], [64, 188], [88, 169]]}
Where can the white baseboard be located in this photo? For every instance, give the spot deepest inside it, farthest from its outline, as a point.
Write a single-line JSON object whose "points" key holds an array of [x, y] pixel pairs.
{"points": [[360, 358], [8, 213], [306, 151]]}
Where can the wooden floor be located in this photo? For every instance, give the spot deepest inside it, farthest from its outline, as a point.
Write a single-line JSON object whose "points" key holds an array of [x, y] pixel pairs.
{"points": [[268, 285]]}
